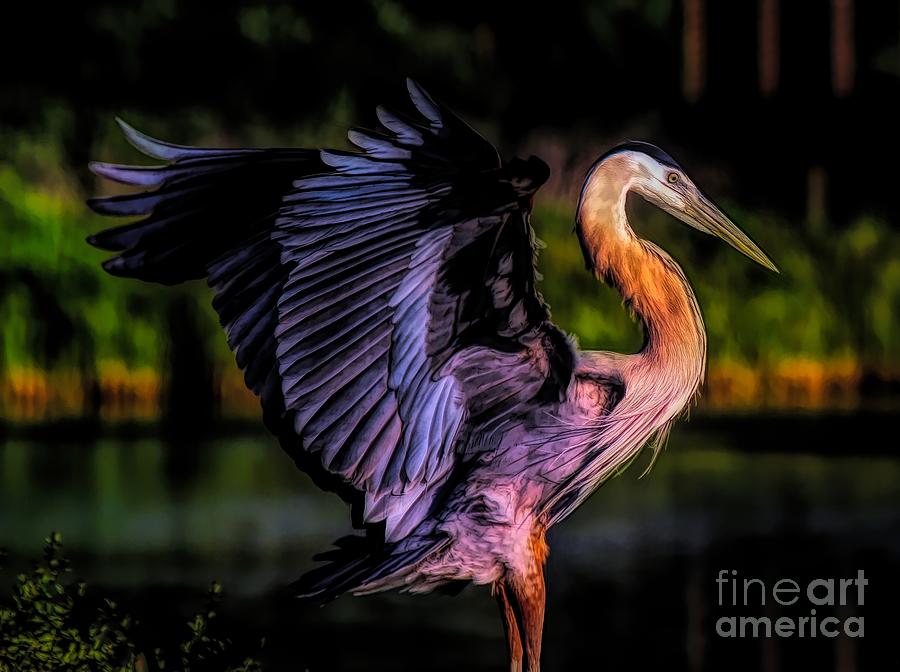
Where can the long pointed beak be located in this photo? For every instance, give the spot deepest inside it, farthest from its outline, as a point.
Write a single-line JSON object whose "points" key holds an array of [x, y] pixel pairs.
{"points": [[705, 216]]}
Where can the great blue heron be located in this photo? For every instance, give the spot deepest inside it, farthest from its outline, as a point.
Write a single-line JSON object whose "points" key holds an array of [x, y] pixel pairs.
{"points": [[382, 305]]}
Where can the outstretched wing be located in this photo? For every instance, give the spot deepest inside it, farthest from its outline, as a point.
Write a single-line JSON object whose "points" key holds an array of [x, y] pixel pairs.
{"points": [[211, 215], [386, 313]]}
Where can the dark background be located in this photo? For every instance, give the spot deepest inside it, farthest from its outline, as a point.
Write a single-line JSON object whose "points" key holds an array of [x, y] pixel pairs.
{"points": [[600, 67]]}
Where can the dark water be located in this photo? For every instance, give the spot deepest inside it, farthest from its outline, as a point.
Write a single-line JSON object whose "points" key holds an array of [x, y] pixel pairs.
{"points": [[632, 576]]}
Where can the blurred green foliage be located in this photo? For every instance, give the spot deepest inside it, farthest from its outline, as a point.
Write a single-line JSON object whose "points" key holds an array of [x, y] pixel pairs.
{"points": [[50, 624], [57, 308], [837, 296]]}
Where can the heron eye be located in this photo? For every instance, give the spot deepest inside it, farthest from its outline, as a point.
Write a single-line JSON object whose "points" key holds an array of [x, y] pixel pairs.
{"points": [[673, 178]]}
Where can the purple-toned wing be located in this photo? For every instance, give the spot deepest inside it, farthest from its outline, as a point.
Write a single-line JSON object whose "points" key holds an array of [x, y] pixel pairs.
{"points": [[210, 214], [386, 312]]}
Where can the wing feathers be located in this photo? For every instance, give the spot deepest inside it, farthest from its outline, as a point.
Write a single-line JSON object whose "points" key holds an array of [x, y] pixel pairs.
{"points": [[364, 293], [167, 151]]}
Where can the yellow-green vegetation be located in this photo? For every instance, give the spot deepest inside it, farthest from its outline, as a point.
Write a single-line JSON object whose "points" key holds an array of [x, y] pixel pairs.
{"points": [[74, 340], [51, 623]]}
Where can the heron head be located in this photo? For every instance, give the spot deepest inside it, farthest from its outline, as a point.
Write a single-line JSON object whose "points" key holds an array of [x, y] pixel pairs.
{"points": [[661, 181]]}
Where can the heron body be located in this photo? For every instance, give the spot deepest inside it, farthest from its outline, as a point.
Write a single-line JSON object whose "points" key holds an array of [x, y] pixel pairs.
{"points": [[382, 305]]}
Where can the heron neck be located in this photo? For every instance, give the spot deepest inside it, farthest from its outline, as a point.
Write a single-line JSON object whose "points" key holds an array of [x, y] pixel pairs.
{"points": [[655, 288], [651, 284]]}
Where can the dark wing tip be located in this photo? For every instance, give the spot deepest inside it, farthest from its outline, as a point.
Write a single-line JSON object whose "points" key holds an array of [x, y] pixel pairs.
{"points": [[99, 205], [540, 170], [106, 240], [427, 105], [114, 266], [416, 90], [147, 145], [136, 176], [526, 176], [165, 151]]}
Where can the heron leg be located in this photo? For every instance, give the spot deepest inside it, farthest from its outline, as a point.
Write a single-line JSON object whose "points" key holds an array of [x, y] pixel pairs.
{"points": [[510, 626], [528, 595], [528, 605]]}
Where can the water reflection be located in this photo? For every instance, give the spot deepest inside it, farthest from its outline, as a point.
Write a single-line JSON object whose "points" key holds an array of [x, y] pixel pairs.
{"points": [[631, 574]]}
